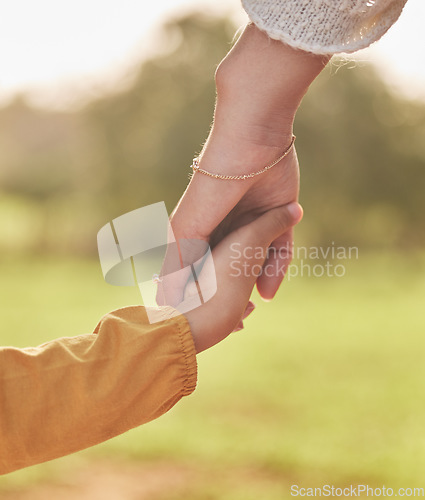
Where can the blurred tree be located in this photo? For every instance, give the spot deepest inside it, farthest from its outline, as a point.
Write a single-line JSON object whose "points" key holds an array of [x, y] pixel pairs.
{"points": [[361, 149], [34, 143], [149, 133], [362, 157]]}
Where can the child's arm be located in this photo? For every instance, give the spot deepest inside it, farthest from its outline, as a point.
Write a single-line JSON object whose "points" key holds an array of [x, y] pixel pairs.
{"points": [[72, 393], [75, 392]]}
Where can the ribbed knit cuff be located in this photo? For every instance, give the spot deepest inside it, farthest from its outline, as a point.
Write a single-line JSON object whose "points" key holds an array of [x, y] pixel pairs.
{"points": [[324, 26]]}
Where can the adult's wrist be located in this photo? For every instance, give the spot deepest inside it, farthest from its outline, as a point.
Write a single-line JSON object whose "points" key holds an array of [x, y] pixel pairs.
{"points": [[264, 80]]}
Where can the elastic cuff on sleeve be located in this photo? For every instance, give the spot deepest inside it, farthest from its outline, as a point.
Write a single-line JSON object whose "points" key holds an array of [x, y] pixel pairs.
{"points": [[188, 349]]}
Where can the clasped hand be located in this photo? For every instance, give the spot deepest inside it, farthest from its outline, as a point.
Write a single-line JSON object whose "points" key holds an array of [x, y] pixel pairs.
{"points": [[260, 84]]}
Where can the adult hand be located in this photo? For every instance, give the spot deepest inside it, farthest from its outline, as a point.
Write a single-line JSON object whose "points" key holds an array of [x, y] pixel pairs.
{"points": [[236, 275], [260, 85]]}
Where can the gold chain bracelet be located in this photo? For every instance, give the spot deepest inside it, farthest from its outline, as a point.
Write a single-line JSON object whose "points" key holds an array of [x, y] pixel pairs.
{"points": [[196, 168]]}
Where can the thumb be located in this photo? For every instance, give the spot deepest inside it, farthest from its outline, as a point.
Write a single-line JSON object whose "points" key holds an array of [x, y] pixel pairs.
{"points": [[265, 229], [197, 214], [204, 204]]}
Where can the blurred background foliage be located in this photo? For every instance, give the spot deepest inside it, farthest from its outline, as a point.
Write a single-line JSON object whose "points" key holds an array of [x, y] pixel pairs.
{"points": [[325, 386], [64, 174]]}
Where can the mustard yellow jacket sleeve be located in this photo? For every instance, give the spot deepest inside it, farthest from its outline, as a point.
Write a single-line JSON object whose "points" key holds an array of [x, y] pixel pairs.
{"points": [[72, 393]]}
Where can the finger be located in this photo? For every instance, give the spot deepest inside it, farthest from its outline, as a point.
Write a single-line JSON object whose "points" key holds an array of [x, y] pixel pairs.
{"points": [[169, 289], [249, 309], [177, 269], [239, 327], [195, 217], [238, 259], [271, 225], [204, 204], [279, 256], [219, 316]]}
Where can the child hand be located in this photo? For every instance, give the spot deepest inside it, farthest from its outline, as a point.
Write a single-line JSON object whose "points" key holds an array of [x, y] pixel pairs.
{"points": [[238, 260]]}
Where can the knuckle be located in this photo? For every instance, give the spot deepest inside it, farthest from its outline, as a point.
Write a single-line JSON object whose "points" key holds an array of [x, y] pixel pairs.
{"points": [[286, 252], [246, 234], [226, 77], [280, 219], [221, 74]]}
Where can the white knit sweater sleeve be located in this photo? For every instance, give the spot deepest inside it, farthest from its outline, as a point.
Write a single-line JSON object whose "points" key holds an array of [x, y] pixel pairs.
{"points": [[324, 26]]}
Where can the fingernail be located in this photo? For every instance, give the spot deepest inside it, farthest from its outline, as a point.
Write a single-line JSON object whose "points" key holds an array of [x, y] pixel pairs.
{"points": [[250, 307], [239, 326], [248, 310], [267, 299], [295, 211]]}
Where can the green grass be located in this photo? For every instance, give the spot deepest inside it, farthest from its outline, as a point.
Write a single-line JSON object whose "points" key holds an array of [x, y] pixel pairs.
{"points": [[324, 386]]}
